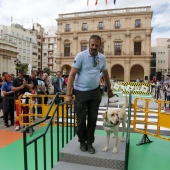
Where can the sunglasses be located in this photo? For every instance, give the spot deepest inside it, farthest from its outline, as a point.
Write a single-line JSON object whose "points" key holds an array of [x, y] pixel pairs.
{"points": [[95, 62]]}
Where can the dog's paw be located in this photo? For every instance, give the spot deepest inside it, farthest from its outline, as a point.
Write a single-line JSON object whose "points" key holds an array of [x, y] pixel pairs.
{"points": [[114, 150], [105, 149]]}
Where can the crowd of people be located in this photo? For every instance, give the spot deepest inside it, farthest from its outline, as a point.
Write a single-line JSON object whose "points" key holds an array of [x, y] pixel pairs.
{"points": [[161, 89], [36, 83]]}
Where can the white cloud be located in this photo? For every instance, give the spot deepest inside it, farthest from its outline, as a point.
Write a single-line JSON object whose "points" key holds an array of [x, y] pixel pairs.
{"points": [[46, 11]]}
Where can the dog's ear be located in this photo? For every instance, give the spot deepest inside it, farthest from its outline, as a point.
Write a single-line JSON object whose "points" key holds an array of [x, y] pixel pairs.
{"points": [[105, 115]]}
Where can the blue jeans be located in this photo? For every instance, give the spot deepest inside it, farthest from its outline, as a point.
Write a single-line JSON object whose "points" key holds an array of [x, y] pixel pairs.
{"points": [[86, 107]]}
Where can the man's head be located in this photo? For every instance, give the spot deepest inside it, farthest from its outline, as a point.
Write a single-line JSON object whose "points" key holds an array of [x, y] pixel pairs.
{"points": [[94, 45], [40, 74], [45, 75], [21, 73], [58, 74], [33, 74]]}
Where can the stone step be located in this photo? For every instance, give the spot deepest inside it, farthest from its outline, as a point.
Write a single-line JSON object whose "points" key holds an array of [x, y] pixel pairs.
{"points": [[72, 154], [72, 166]]}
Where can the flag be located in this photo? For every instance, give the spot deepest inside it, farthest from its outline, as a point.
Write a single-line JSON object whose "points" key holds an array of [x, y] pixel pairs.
{"points": [[96, 2], [87, 2], [114, 1], [106, 2]]}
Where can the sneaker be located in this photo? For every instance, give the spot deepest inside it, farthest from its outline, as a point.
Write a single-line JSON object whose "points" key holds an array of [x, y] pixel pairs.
{"points": [[83, 146], [91, 149], [17, 128], [6, 125]]}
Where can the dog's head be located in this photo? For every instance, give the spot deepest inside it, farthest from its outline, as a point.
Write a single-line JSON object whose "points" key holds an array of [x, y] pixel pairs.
{"points": [[112, 116]]}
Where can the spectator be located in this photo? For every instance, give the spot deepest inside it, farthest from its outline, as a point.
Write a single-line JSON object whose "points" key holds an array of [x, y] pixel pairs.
{"points": [[21, 85], [41, 90], [8, 100]]}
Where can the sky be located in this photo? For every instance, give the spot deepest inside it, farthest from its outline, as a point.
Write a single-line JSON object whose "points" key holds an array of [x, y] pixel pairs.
{"points": [[45, 12]]}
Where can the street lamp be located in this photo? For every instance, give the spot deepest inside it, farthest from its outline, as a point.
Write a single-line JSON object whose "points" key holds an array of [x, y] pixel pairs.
{"points": [[17, 63]]}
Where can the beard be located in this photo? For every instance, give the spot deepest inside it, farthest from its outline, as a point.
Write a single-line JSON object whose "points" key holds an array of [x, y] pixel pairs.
{"points": [[93, 52]]}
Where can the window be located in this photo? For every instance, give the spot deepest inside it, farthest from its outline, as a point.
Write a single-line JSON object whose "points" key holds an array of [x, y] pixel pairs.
{"points": [[137, 48], [118, 48], [161, 52], [45, 54], [10, 39], [100, 25], [83, 47], [28, 51], [161, 61], [117, 24], [66, 49], [137, 23], [28, 44], [67, 27], [84, 26]]}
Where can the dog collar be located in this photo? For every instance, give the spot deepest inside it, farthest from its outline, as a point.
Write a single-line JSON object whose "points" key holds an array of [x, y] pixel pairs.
{"points": [[108, 124]]}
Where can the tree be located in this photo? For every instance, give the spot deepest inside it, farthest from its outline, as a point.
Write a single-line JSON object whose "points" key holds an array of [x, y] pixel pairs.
{"points": [[47, 70], [23, 66]]}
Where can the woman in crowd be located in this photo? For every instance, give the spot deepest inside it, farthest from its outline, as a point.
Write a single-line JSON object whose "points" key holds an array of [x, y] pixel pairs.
{"points": [[8, 100]]}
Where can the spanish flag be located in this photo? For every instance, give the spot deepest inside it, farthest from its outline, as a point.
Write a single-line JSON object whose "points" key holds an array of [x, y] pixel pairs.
{"points": [[96, 2]]}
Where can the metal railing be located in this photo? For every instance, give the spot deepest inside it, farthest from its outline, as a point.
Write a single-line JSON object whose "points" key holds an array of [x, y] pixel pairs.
{"points": [[128, 133], [67, 134]]}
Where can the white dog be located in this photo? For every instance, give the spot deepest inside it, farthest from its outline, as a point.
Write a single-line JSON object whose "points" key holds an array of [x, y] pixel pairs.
{"points": [[112, 119]]}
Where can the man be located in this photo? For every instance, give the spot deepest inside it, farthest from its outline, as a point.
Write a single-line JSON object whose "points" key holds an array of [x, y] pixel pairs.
{"points": [[20, 86], [85, 74], [1, 94], [34, 89], [41, 90], [58, 83]]}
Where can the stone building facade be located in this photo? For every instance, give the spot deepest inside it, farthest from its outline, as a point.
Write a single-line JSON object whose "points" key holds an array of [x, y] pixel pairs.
{"points": [[8, 53], [126, 40]]}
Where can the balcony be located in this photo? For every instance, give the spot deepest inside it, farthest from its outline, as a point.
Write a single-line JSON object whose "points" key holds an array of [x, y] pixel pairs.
{"points": [[50, 49], [67, 29], [100, 27], [84, 28], [50, 56]]}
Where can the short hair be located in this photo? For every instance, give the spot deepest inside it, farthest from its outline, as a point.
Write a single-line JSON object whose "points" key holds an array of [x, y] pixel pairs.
{"points": [[58, 72], [97, 37], [33, 71], [40, 72], [7, 75]]}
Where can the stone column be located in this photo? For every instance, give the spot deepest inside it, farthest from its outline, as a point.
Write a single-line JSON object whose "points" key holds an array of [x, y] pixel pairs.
{"points": [[127, 71]]}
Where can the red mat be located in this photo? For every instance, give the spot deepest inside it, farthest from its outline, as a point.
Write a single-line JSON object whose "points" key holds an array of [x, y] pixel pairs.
{"points": [[7, 137]]}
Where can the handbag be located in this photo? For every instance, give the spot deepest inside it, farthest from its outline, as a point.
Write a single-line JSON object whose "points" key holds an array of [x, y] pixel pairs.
{"points": [[51, 89]]}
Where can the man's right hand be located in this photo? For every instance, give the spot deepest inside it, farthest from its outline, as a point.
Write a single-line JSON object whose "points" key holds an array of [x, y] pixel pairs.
{"points": [[68, 99]]}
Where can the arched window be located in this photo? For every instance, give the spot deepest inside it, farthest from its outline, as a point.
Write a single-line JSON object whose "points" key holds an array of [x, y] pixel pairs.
{"points": [[67, 48], [137, 45], [84, 44]]}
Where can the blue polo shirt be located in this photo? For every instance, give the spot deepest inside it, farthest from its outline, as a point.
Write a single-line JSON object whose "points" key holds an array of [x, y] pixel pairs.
{"points": [[89, 68]]}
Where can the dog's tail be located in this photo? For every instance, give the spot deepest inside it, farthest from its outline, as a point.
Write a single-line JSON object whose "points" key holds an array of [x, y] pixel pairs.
{"points": [[126, 103]]}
